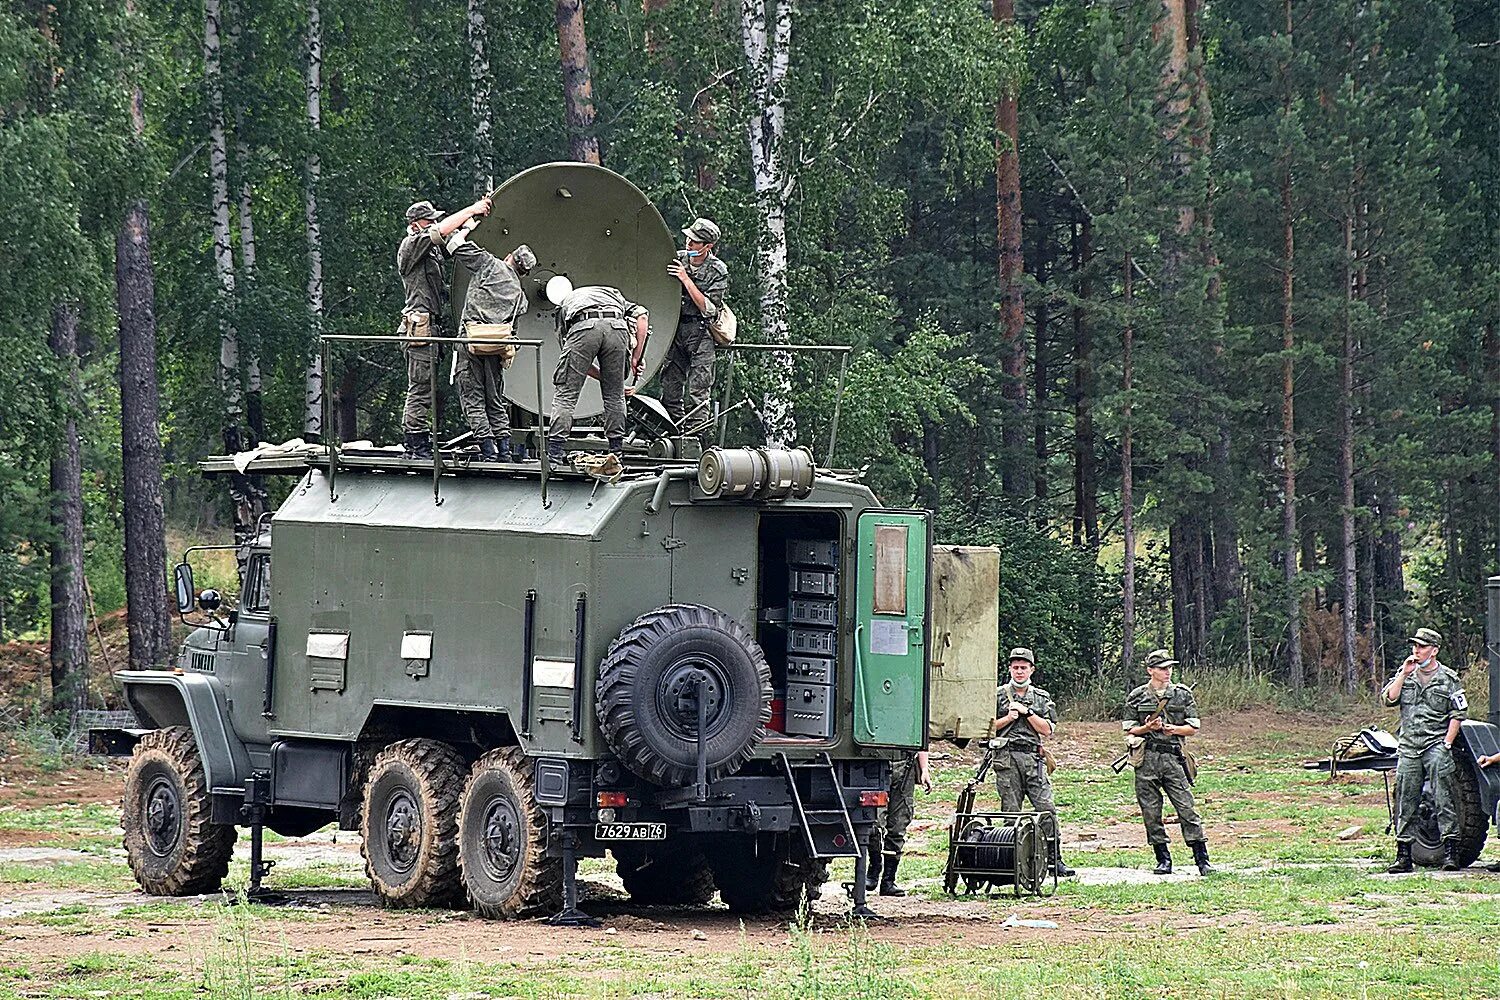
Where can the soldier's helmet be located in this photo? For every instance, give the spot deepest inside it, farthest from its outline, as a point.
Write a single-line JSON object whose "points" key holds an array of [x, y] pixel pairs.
{"points": [[702, 230], [524, 258], [1159, 658], [422, 210]]}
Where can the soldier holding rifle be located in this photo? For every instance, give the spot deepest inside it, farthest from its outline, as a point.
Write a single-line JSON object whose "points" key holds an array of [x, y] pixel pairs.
{"points": [[1158, 716]]}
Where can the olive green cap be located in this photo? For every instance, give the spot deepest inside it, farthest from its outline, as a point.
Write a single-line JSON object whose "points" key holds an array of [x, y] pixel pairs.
{"points": [[702, 230], [1022, 653], [422, 210], [1159, 658], [1427, 637]]}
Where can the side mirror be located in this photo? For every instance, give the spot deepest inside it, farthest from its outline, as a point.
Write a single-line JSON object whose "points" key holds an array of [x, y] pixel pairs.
{"points": [[183, 579], [209, 600]]}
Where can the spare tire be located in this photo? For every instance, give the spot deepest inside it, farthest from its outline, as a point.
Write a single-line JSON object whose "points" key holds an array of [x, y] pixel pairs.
{"points": [[647, 693]]}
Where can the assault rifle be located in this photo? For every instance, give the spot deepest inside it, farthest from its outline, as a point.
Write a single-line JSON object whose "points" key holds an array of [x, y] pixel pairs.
{"points": [[1118, 764]]}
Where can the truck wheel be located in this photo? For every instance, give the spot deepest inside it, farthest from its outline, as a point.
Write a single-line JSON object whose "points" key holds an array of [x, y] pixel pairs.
{"points": [[502, 840], [646, 700], [671, 876], [1473, 824], [771, 881], [173, 846], [410, 824]]}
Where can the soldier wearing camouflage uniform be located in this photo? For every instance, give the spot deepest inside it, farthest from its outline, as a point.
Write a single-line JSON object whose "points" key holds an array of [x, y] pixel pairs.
{"points": [[419, 262], [689, 365], [1158, 716], [494, 295], [1024, 715], [888, 838], [1433, 708], [603, 335]]}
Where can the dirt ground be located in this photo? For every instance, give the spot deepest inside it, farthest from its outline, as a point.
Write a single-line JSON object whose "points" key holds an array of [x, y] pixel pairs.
{"points": [[348, 921]]}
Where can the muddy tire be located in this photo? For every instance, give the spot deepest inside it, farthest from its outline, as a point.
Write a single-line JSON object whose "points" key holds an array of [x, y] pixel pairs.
{"points": [[173, 847], [669, 876], [502, 838], [1473, 824], [646, 702], [410, 824], [775, 880]]}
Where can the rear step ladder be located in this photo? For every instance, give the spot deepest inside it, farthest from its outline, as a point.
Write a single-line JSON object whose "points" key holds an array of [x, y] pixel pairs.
{"points": [[829, 833]]}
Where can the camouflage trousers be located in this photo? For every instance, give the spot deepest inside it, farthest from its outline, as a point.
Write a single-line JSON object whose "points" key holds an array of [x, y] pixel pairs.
{"points": [[1435, 765], [586, 343], [416, 417], [481, 394], [1019, 775], [689, 366], [889, 835], [1163, 774]]}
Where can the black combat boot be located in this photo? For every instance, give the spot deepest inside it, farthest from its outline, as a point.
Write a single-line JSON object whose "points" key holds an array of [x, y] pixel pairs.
{"points": [[617, 447], [506, 453], [488, 451], [1403, 859], [872, 871], [1200, 857], [418, 446], [888, 886], [1450, 855], [1061, 867], [1163, 860], [557, 449]]}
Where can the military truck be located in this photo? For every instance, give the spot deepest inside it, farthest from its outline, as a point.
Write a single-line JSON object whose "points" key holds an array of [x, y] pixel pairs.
{"points": [[493, 670]]}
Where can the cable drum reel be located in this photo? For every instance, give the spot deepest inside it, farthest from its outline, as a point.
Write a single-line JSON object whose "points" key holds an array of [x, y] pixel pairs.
{"points": [[756, 473], [992, 851]]}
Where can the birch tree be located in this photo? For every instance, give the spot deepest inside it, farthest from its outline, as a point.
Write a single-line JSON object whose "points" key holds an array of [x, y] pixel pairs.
{"points": [[218, 168], [254, 412], [578, 85], [766, 31], [312, 412], [481, 86]]}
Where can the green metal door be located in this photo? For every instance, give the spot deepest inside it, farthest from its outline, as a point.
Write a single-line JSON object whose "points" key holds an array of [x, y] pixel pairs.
{"points": [[892, 561]]}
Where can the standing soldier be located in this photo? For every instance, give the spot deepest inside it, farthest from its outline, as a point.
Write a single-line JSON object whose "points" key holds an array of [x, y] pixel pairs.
{"points": [[494, 298], [888, 839], [1158, 716], [1024, 715], [690, 359], [1433, 708], [603, 335], [419, 261]]}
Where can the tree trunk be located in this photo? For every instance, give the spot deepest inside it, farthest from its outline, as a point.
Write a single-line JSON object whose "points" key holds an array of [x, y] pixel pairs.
{"points": [[1008, 241], [312, 397], [1085, 477], [68, 650], [1041, 373], [767, 58], [218, 167], [346, 405], [1127, 497], [254, 412], [481, 85], [578, 87], [1346, 463], [1289, 533]]}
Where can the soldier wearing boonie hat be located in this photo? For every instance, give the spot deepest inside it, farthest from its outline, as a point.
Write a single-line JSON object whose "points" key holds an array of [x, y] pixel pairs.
{"points": [[493, 302], [1433, 707], [1158, 716], [688, 372], [1024, 715], [419, 262]]}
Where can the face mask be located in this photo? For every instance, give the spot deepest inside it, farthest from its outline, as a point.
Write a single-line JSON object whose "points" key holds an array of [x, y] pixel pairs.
{"points": [[695, 253], [1021, 684]]}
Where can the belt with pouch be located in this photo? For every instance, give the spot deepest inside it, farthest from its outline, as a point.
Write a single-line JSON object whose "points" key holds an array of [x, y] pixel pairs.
{"points": [[1162, 746], [591, 314], [1029, 751]]}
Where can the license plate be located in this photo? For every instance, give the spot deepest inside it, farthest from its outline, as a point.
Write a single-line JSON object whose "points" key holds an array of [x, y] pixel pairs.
{"points": [[630, 831]]}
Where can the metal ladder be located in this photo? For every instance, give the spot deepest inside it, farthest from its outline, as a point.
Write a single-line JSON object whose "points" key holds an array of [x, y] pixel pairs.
{"points": [[829, 833]]}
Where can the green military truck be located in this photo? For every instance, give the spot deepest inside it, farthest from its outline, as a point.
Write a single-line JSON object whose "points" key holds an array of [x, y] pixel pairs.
{"points": [[704, 669]]}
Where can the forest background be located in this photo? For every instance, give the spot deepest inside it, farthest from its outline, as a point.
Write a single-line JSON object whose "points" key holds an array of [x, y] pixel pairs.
{"points": [[1190, 308]]}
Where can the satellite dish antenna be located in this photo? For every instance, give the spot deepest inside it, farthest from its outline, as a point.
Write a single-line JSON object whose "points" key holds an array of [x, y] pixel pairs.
{"points": [[558, 288]]}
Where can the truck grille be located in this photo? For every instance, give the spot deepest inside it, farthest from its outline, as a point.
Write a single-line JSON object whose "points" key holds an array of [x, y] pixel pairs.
{"points": [[201, 661]]}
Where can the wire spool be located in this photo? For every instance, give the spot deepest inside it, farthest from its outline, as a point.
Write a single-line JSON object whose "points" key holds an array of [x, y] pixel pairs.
{"points": [[1002, 855], [731, 473]]}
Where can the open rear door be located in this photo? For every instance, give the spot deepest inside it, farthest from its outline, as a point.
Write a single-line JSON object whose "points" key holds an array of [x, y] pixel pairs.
{"points": [[892, 564]]}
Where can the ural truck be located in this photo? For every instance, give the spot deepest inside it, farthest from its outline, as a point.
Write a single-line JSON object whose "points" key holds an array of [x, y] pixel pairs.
{"points": [[703, 668]]}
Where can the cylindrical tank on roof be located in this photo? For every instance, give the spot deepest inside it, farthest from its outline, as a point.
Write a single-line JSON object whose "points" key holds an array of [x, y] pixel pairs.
{"points": [[593, 227], [756, 473]]}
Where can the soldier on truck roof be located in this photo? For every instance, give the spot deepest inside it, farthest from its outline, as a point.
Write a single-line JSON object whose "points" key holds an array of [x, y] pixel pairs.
{"points": [[603, 336], [688, 374], [419, 262]]}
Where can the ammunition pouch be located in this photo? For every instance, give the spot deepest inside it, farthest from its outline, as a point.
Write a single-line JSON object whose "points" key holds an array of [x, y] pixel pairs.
{"points": [[491, 341], [1189, 765], [413, 327], [1049, 760]]}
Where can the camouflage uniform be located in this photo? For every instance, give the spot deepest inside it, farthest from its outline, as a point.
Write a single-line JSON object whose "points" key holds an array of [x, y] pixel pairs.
{"points": [[494, 296], [419, 261], [596, 323], [690, 358], [1019, 768], [888, 839], [1162, 769], [1427, 706]]}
